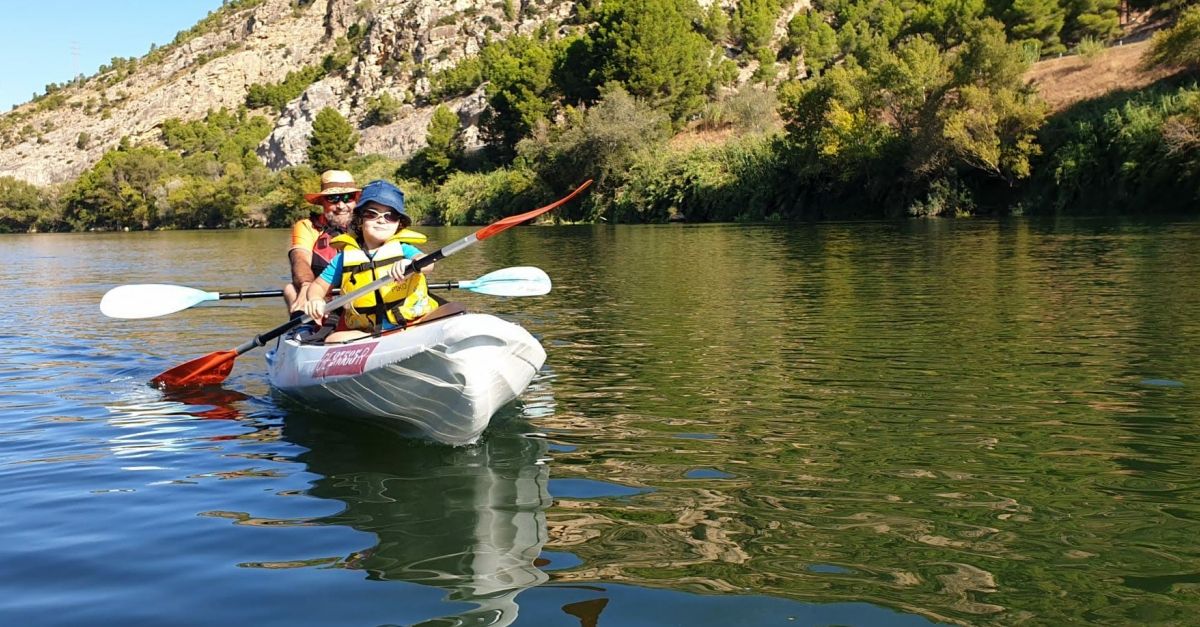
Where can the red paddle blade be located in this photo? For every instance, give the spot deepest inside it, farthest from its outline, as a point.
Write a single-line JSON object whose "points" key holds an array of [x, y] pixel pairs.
{"points": [[210, 369], [511, 221]]}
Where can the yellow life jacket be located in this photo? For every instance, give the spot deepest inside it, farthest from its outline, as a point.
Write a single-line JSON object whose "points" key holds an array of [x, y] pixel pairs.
{"points": [[397, 302]]}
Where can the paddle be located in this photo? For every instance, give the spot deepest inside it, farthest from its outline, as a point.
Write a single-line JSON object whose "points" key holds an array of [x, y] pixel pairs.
{"points": [[213, 368], [150, 300]]}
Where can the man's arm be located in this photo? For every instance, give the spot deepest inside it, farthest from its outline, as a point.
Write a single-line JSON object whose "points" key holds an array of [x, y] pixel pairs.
{"points": [[302, 273]]}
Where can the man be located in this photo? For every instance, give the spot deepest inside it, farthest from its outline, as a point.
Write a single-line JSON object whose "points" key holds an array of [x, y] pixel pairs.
{"points": [[310, 251]]}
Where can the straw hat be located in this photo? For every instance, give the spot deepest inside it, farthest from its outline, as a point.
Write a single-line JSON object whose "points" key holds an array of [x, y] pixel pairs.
{"points": [[333, 182]]}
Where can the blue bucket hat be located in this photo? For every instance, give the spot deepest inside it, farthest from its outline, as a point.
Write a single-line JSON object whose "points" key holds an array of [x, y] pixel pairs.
{"points": [[384, 193]]}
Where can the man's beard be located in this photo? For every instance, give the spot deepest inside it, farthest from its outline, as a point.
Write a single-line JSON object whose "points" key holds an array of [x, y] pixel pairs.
{"points": [[332, 227]]}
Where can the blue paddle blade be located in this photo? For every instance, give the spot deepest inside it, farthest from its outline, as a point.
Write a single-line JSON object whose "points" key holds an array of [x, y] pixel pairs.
{"points": [[151, 299], [515, 281]]}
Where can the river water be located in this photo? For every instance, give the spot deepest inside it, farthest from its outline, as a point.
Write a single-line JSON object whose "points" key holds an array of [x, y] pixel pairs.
{"points": [[883, 423]]}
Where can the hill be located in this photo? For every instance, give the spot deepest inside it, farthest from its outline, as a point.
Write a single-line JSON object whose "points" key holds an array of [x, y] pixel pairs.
{"points": [[1067, 80], [397, 45], [674, 107]]}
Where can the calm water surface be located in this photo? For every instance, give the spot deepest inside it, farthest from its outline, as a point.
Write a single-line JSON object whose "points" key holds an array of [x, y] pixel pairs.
{"points": [[965, 422]]}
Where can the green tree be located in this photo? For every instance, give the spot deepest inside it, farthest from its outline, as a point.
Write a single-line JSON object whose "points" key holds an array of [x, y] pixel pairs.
{"points": [[340, 58], [651, 48], [209, 202], [989, 117], [866, 28], [1037, 20], [1097, 19], [521, 90], [284, 202], [485, 197], [715, 24], [1178, 46], [222, 137], [277, 95], [600, 143], [123, 190], [811, 37], [754, 23], [332, 142], [434, 162], [948, 21], [917, 118], [837, 125], [765, 72], [21, 205], [383, 109], [1134, 151], [459, 80]]}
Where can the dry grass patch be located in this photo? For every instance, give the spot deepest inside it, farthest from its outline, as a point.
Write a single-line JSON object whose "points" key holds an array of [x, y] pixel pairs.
{"points": [[1065, 81]]}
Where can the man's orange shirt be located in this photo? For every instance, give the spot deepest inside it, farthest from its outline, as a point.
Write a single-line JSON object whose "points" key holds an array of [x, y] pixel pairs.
{"points": [[304, 235]]}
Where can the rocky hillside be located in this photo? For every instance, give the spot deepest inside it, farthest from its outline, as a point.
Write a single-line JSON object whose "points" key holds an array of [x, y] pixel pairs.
{"points": [[396, 45], [377, 47]]}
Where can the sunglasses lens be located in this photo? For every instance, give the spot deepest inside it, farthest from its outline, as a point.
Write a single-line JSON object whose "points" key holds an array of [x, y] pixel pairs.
{"points": [[336, 198], [390, 216]]}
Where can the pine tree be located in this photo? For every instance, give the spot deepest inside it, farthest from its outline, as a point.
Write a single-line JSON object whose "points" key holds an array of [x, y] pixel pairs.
{"points": [[651, 48], [1095, 19], [433, 163], [1039, 20], [332, 142]]}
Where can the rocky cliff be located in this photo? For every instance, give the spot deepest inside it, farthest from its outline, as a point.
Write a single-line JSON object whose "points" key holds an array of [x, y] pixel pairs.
{"points": [[399, 43]]}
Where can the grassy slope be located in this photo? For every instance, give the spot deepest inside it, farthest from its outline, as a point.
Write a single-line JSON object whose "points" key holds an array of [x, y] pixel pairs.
{"points": [[1065, 81]]}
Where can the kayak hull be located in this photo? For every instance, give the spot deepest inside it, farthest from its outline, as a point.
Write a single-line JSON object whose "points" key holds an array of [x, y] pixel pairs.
{"points": [[443, 379]]}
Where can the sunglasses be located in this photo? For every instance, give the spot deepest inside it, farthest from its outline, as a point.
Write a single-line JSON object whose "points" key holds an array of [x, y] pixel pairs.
{"points": [[333, 199], [370, 215]]}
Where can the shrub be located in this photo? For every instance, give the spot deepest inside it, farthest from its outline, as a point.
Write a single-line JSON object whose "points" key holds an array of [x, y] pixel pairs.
{"points": [[483, 198], [459, 80], [1089, 48], [600, 143], [383, 109], [1178, 46], [277, 95]]}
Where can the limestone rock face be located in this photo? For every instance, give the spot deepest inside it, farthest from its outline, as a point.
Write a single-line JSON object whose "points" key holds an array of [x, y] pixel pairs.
{"points": [[210, 71], [288, 143], [398, 45]]}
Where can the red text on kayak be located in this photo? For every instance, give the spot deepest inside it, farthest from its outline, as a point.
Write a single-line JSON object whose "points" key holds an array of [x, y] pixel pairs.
{"points": [[345, 360]]}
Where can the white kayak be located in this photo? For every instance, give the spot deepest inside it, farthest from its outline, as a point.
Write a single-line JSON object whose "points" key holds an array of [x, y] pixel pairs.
{"points": [[444, 378]]}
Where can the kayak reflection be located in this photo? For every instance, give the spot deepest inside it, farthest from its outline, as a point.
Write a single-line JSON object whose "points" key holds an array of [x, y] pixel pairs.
{"points": [[469, 520]]}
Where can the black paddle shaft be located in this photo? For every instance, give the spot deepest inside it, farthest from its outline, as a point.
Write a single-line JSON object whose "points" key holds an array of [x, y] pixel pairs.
{"points": [[335, 291]]}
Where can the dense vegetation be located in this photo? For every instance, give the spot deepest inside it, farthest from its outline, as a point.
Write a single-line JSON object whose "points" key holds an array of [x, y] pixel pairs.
{"points": [[863, 108]]}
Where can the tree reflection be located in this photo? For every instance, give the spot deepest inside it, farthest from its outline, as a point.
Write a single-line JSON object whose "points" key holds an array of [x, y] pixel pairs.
{"points": [[469, 520]]}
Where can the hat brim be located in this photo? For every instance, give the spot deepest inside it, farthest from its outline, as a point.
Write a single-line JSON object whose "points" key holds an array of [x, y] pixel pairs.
{"points": [[315, 199]]}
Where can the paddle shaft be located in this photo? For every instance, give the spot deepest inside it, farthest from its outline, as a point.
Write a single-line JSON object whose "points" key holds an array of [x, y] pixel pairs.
{"points": [[278, 293]]}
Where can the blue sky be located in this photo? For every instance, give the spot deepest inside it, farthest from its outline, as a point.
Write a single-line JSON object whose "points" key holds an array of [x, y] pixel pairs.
{"points": [[50, 41]]}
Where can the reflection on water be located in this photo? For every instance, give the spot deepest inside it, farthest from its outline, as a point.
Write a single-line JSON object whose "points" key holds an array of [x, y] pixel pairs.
{"points": [[213, 403], [971, 422], [469, 520]]}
